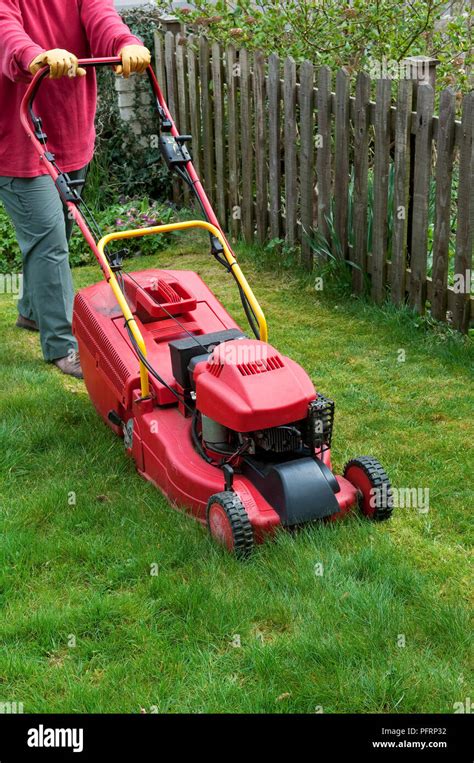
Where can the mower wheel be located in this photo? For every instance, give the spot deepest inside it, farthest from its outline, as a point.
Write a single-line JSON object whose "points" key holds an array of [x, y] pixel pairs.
{"points": [[229, 524], [373, 485]]}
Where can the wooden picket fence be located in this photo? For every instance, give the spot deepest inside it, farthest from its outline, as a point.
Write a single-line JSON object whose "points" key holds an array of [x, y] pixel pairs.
{"points": [[284, 157]]}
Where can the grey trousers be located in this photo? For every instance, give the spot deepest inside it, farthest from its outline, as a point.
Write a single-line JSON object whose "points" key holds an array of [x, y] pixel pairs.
{"points": [[43, 230]]}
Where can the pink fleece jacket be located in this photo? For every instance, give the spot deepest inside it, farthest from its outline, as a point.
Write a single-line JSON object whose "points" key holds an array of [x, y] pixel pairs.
{"points": [[87, 28]]}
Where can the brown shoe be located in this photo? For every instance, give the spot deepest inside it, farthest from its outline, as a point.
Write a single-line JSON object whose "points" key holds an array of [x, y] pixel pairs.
{"points": [[25, 323], [70, 365]]}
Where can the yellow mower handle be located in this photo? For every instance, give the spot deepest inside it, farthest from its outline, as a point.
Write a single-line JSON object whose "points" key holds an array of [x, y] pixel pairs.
{"points": [[167, 228]]}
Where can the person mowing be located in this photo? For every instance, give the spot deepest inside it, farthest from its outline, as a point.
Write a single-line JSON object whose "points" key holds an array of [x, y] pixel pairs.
{"points": [[35, 33]]}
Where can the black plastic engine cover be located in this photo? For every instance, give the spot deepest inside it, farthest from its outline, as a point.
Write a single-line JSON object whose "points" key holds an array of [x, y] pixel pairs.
{"points": [[300, 490]]}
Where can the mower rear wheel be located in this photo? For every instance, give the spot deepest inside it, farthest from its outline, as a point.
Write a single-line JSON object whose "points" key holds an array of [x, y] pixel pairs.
{"points": [[229, 524], [373, 486]]}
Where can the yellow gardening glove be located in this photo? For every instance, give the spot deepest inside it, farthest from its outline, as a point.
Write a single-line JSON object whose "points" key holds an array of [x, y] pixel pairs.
{"points": [[135, 58], [61, 64]]}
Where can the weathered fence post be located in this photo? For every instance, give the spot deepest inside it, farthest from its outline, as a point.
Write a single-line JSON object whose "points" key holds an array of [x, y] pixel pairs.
{"points": [[291, 187], [400, 191], [418, 69], [219, 133], [172, 92], [421, 69], [306, 99], [465, 219], [323, 156], [170, 23], [274, 145], [444, 175], [194, 103], [361, 168], [206, 117], [160, 62], [182, 90], [232, 78], [381, 170], [421, 191], [247, 158], [341, 180], [260, 146]]}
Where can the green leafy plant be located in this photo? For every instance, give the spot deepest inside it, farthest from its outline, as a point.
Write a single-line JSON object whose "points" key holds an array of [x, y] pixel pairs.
{"points": [[329, 262], [338, 34], [126, 213], [123, 163], [10, 256]]}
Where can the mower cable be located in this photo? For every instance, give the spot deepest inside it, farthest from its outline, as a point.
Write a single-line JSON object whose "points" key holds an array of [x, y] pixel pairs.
{"points": [[99, 233], [251, 317], [155, 373], [197, 442]]}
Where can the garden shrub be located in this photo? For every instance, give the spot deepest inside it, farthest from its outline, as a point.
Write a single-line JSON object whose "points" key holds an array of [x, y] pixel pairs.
{"points": [[337, 34], [125, 213]]}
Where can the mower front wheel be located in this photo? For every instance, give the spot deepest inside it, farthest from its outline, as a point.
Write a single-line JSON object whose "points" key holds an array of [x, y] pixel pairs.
{"points": [[373, 487], [229, 524]]}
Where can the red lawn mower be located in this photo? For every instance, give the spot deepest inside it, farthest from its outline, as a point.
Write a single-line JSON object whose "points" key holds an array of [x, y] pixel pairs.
{"points": [[223, 424]]}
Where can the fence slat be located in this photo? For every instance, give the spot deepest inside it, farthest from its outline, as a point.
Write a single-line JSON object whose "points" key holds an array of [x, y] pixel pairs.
{"points": [[160, 62], [247, 157], [306, 101], [291, 188], [381, 170], [361, 166], [465, 218], [419, 242], [172, 90], [274, 144], [206, 118], [171, 83], [260, 146], [341, 180], [444, 175], [233, 138], [400, 193], [183, 100], [181, 74], [218, 94], [194, 104], [323, 155]]}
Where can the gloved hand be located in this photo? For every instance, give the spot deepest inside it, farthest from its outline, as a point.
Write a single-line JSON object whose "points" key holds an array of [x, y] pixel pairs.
{"points": [[135, 58], [61, 64]]}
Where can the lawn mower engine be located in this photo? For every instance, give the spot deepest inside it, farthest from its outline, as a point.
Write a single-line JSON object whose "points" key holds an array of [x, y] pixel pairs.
{"points": [[259, 412]]}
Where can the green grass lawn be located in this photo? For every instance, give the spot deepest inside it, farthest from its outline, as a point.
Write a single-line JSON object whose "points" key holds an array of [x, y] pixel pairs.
{"points": [[85, 627]]}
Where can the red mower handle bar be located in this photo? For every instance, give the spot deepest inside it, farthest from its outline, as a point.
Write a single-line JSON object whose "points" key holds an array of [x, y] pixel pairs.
{"points": [[83, 62], [172, 147], [29, 121]]}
